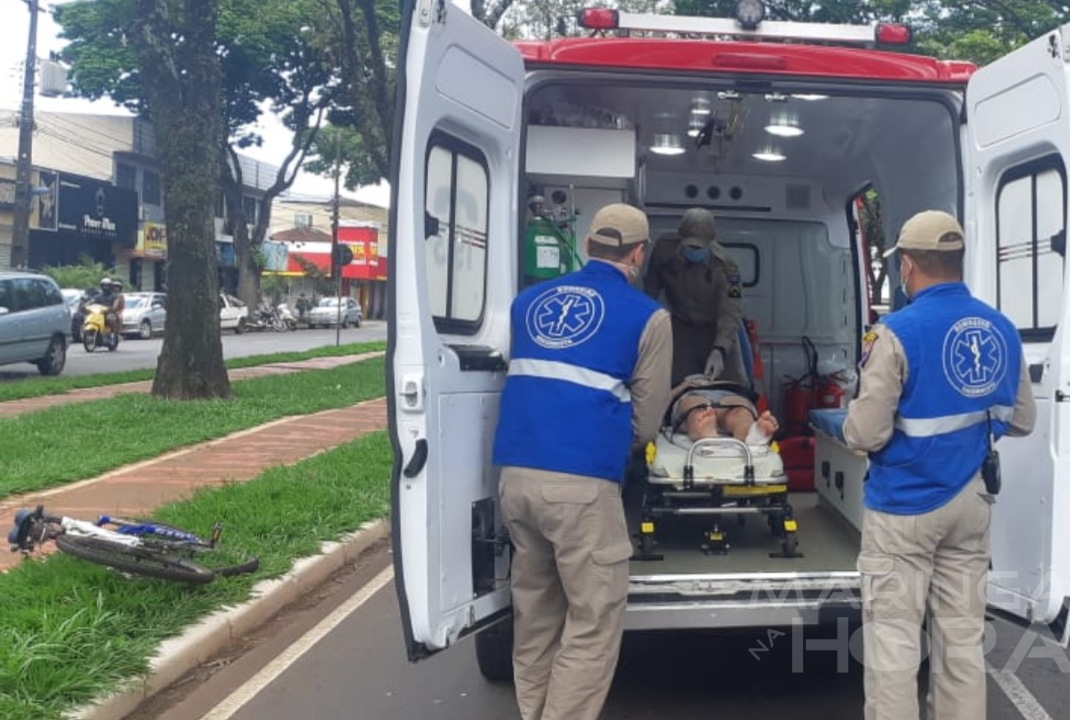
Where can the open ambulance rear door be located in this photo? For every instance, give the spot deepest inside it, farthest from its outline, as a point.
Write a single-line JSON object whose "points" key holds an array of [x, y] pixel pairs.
{"points": [[454, 179], [1016, 145]]}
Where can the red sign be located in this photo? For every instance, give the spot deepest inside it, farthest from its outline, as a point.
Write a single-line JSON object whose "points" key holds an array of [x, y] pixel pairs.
{"points": [[364, 241]]}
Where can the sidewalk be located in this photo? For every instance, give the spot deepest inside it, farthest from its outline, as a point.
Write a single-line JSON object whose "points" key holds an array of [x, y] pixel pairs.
{"points": [[139, 488]]}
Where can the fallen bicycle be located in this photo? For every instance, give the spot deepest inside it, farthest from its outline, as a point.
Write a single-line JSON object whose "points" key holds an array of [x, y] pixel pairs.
{"points": [[138, 547]]}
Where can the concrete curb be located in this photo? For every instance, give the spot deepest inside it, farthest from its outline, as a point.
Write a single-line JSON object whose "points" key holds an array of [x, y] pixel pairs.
{"points": [[178, 655]]}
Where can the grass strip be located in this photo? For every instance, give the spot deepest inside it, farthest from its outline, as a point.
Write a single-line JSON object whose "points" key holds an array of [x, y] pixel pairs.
{"points": [[74, 631], [36, 387], [66, 443]]}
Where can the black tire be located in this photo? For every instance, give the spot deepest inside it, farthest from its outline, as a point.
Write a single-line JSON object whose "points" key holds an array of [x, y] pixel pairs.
{"points": [[144, 330], [89, 340], [137, 561], [173, 547], [55, 358], [494, 652], [251, 565], [790, 544]]}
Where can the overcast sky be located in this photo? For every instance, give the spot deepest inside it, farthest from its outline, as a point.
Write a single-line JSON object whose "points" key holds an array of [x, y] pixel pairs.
{"points": [[13, 37]]}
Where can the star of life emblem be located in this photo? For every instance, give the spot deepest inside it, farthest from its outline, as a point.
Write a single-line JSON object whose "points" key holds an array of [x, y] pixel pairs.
{"points": [[975, 357], [565, 316]]}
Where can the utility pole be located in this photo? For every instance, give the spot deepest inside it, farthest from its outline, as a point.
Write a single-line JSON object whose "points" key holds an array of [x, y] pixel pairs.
{"points": [[20, 233], [336, 255]]}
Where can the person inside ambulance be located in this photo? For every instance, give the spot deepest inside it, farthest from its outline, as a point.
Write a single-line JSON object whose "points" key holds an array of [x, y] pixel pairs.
{"points": [[588, 383], [702, 292], [711, 413], [941, 380]]}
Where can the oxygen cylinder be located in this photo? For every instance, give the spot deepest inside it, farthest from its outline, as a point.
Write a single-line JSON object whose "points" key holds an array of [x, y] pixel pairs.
{"points": [[544, 256]]}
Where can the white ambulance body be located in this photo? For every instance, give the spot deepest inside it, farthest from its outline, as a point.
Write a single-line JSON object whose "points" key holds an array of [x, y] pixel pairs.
{"points": [[483, 124]]}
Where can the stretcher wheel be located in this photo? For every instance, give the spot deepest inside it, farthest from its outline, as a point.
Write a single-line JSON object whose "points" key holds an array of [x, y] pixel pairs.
{"points": [[790, 544], [646, 544]]}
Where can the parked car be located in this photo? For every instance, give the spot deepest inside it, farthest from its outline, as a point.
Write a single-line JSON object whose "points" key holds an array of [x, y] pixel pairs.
{"points": [[326, 313], [233, 313], [73, 298], [145, 313], [34, 322]]}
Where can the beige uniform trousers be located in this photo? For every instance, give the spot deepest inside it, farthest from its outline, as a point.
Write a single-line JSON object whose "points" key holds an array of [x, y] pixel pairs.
{"points": [[934, 567], [570, 587]]}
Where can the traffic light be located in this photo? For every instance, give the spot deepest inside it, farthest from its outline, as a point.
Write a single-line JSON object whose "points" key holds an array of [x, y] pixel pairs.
{"points": [[341, 255]]}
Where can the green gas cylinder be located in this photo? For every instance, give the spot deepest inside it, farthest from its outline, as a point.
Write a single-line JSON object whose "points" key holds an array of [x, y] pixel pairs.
{"points": [[544, 256]]}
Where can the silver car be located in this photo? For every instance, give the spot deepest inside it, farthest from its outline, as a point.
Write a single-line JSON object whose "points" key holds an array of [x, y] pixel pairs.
{"points": [[328, 313], [34, 322], [144, 313]]}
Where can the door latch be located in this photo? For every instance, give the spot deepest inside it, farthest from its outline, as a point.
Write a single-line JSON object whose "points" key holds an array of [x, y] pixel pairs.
{"points": [[411, 392]]}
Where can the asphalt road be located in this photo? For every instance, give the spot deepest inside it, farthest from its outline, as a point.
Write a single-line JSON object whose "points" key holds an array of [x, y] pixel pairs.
{"points": [[341, 657], [142, 354]]}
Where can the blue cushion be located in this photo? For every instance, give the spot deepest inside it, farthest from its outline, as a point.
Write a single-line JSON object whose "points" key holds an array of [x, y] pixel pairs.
{"points": [[829, 422]]}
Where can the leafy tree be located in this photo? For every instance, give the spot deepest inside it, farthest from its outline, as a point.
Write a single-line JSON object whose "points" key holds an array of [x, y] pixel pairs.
{"points": [[177, 53], [274, 57]]}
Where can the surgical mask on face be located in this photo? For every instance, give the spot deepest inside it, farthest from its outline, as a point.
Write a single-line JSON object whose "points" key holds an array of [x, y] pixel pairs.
{"points": [[696, 254], [903, 282]]}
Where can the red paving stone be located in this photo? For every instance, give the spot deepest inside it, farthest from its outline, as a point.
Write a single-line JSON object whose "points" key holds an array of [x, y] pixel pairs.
{"points": [[139, 488]]}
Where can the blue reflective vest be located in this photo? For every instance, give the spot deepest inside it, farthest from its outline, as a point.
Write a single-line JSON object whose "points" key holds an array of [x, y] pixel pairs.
{"points": [[566, 406], [963, 365]]}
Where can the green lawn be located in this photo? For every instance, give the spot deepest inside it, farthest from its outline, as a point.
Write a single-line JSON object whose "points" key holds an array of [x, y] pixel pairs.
{"points": [[36, 387], [73, 631], [82, 440]]}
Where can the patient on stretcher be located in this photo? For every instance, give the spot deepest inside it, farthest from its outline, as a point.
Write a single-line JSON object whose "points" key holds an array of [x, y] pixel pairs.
{"points": [[710, 413]]}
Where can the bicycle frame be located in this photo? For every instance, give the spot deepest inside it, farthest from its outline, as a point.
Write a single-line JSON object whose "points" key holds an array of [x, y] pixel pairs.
{"points": [[83, 528]]}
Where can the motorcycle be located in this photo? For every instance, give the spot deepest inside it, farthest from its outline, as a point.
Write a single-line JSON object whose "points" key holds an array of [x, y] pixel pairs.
{"points": [[285, 318], [95, 332]]}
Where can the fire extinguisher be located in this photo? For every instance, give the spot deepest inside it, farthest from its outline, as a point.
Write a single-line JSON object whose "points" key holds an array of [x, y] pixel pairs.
{"points": [[829, 393], [800, 395]]}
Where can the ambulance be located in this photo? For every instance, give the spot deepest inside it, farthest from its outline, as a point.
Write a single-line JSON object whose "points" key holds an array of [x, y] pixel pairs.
{"points": [[781, 129]]}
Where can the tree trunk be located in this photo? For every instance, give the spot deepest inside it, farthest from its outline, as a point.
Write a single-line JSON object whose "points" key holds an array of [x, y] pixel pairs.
{"points": [[186, 108]]}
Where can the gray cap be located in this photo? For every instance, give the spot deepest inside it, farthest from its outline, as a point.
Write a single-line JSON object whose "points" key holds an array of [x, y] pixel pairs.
{"points": [[619, 225], [697, 227]]}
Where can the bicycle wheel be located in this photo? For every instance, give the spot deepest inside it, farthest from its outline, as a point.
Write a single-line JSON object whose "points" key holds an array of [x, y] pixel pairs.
{"points": [[250, 564], [138, 561]]}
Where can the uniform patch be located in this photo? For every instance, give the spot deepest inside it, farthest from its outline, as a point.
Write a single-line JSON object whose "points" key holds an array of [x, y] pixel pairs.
{"points": [[565, 316], [734, 280], [975, 357], [868, 341]]}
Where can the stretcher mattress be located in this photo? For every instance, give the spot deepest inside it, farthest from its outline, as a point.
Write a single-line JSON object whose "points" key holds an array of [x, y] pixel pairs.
{"points": [[829, 422], [712, 465]]}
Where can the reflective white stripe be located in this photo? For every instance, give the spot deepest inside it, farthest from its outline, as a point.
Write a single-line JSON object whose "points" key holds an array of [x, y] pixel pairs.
{"points": [[928, 427], [553, 370]]}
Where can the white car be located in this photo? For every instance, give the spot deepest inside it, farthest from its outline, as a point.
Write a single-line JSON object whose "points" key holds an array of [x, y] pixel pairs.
{"points": [[327, 313], [233, 313]]}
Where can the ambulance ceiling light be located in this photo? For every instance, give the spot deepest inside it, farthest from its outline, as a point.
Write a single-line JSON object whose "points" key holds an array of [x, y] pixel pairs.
{"points": [[667, 144], [809, 97], [695, 125], [700, 104], [784, 125], [769, 154]]}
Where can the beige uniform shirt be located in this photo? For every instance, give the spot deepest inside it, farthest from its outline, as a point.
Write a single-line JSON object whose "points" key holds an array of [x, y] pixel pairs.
{"points": [[871, 415], [650, 383]]}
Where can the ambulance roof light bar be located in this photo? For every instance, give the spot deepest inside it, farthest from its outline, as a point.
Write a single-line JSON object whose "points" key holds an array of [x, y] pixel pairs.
{"points": [[747, 24]]}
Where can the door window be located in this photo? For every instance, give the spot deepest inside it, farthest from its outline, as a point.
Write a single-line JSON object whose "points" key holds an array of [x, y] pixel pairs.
{"points": [[455, 229], [1031, 246]]}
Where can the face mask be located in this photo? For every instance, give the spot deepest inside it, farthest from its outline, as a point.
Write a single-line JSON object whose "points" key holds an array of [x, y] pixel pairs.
{"points": [[903, 284], [696, 254]]}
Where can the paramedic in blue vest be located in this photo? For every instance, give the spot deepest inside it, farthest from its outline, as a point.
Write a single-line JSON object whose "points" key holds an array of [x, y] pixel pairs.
{"points": [[588, 383], [935, 377]]}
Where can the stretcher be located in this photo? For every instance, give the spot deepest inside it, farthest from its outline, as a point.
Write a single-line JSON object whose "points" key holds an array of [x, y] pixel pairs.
{"points": [[715, 477]]}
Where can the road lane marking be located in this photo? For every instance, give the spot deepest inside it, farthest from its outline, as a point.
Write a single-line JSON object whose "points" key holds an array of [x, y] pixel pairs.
{"points": [[1029, 707], [270, 672]]}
